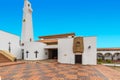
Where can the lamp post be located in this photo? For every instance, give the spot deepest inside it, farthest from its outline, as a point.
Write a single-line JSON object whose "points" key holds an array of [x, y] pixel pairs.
{"points": [[9, 46]]}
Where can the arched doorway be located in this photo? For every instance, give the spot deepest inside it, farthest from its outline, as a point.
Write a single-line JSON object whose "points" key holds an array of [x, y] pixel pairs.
{"points": [[100, 56], [116, 56], [108, 56]]}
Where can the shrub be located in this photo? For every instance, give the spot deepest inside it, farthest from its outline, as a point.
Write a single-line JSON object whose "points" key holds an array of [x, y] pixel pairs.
{"points": [[108, 61], [99, 61]]}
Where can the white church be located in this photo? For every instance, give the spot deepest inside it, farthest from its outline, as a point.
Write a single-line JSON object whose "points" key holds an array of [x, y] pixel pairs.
{"points": [[66, 48]]}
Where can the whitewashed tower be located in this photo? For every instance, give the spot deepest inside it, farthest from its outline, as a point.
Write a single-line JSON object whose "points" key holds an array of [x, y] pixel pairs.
{"points": [[27, 27]]}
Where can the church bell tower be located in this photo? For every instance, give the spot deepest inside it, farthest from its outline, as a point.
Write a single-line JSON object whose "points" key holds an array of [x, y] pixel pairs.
{"points": [[27, 26]]}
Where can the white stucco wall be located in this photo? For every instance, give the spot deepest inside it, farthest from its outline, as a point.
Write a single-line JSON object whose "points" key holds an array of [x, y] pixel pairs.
{"points": [[51, 46], [89, 56], [65, 51], [66, 55], [31, 47], [5, 38]]}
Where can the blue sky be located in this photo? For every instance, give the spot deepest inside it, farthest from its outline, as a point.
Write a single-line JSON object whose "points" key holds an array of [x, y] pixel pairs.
{"points": [[99, 18]]}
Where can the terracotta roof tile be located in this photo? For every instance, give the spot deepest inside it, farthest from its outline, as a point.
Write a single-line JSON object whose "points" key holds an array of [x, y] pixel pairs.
{"points": [[57, 36], [49, 41], [108, 49]]}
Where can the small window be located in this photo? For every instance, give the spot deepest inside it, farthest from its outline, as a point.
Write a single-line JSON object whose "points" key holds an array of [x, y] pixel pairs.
{"points": [[22, 44], [28, 5], [27, 54], [30, 39], [89, 47], [36, 53], [24, 20]]}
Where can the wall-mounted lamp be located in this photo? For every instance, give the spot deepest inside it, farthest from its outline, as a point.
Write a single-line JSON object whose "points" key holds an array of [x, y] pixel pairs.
{"points": [[89, 47]]}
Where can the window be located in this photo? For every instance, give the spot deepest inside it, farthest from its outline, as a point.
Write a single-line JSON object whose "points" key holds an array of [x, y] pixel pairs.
{"points": [[36, 52], [28, 5], [30, 39], [27, 54], [89, 47], [22, 44], [24, 20]]}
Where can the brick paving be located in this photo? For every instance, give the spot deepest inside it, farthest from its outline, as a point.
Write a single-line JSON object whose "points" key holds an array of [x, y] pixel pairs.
{"points": [[109, 72], [10, 63], [55, 71]]}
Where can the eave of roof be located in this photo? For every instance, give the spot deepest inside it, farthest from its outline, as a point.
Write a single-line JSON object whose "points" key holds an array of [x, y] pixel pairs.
{"points": [[108, 49], [49, 41], [57, 36]]}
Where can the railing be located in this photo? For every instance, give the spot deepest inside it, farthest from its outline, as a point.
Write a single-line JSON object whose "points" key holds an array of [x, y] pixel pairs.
{"points": [[8, 55]]}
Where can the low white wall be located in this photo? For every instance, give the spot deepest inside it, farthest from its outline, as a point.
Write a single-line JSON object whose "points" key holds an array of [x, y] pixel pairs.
{"points": [[31, 47], [5, 38], [89, 56]]}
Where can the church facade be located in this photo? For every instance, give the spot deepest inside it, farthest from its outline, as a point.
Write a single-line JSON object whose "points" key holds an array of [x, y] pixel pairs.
{"points": [[66, 48]]}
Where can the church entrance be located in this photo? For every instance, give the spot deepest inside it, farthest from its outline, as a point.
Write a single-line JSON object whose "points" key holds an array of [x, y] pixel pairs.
{"points": [[78, 59], [52, 53]]}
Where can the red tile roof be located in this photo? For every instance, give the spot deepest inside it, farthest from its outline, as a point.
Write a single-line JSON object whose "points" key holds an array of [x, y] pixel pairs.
{"points": [[108, 49], [57, 36]]}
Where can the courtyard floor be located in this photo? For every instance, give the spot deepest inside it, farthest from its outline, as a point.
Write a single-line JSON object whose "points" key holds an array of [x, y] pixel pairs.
{"points": [[116, 68], [45, 70]]}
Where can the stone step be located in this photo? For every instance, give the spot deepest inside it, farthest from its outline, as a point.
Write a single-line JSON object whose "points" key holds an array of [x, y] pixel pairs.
{"points": [[3, 59]]}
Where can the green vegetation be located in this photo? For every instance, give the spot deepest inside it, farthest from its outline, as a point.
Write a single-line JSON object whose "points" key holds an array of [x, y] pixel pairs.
{"points": [[115, 68], [108, 61], [100, 61]]}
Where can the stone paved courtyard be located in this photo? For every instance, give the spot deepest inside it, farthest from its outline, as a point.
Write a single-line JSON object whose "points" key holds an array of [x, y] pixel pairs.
{"points": [[56, 71]]}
